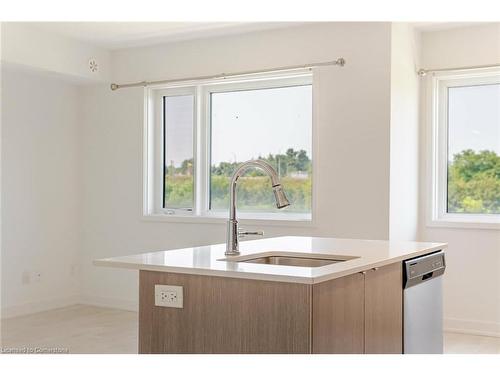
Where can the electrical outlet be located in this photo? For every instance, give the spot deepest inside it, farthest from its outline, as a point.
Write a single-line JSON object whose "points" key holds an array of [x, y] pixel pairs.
{"points": [[168, 296], [37, 276], [28, 277]]}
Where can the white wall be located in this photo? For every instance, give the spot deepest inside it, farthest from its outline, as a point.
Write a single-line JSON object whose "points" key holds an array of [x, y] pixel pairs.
{"points": [[28, 46], [352, 111], [465, 46], [404, 134], [40, 192], [472, 282], [41, 175], [1, 195]]}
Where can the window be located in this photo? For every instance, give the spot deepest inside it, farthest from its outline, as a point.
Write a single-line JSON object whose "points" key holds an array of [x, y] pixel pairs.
{"points": [[197, 135], [466, 148], [178, 179]]}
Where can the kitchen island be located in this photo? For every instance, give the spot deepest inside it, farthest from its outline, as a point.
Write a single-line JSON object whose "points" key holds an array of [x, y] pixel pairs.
{"points": [[280, 295]]}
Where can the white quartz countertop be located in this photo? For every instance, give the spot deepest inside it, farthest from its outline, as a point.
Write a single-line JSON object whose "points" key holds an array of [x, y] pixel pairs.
{"points": [[206, 260]]}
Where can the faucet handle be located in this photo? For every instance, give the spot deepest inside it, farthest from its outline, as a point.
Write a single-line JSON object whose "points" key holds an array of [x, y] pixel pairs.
{"points": [[242, 233]]}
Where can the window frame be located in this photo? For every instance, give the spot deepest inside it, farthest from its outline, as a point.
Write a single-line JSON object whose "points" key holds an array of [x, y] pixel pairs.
{"points": [[159, 144], [153, 136], [437, 150]]}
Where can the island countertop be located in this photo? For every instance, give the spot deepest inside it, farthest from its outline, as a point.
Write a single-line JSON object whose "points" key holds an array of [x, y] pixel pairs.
{"points": [[210, 260]]}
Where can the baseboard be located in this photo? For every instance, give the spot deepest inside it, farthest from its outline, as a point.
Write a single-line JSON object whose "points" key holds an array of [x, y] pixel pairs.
{"points": [[472, 327], [39, 306], [114, 303]]}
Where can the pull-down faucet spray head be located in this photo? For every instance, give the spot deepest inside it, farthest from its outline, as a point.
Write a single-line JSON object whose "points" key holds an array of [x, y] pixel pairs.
{"points": [[280, 196]]}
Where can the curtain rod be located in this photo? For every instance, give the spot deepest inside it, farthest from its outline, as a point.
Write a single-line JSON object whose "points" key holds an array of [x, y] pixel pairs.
{"points": [[423, 72], [340, 62]]}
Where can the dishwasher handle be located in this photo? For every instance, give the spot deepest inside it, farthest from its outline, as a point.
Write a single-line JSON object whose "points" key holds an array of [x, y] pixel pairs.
{"points": [[424, 268]]}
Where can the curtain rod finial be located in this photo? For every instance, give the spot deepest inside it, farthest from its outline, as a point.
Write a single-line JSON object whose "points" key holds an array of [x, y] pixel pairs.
{"points": [[340, 61], [114, 86]]}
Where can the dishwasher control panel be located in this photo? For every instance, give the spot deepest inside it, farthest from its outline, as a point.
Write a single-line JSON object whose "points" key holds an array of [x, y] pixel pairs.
{"points": [[423, 268]]}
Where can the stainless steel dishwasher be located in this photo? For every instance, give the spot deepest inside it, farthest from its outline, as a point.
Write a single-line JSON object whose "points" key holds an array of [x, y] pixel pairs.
{"points": [[423, 304]]}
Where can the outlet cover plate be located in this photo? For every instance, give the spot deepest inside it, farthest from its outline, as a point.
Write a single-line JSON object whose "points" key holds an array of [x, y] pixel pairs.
{"points": [[169, 296]]}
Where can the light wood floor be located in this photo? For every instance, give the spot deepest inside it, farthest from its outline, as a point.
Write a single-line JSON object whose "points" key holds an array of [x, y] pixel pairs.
{"points": [[90, 329], [79, 329], [456, 343]]}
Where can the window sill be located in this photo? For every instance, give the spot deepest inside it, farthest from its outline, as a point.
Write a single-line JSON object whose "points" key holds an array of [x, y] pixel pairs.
{"points": [[290, 220], [467, 221]]}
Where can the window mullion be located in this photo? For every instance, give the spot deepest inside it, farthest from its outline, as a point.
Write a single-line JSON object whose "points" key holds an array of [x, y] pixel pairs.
{"points": [[157, 148], [443, 152], [202, 146]]}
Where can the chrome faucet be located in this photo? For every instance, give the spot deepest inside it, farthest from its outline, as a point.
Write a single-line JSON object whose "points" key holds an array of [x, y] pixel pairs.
{"points": [[233, 232]]}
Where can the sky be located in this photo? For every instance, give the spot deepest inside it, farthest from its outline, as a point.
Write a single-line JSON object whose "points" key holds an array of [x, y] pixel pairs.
{"points": [[179, 129], [245, 124], [252, 123], [474, 118]]}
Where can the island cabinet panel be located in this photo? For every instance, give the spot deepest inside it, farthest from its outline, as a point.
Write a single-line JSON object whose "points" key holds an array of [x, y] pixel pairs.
{"points": [[225, 315], [358, 313], [338, 316], [384, 310]]}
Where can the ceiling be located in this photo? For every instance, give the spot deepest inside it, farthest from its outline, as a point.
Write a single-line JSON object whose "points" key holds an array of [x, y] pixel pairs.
{"points": [[439, 26], [116, 35]]}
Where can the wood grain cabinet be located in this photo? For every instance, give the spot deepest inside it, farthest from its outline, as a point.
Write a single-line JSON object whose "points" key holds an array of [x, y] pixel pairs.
{"points": [[338, 315], [352, 314], [384, 310]]}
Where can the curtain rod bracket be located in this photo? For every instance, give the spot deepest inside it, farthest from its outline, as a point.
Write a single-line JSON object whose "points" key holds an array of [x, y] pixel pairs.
{"points": [[422, 72]]}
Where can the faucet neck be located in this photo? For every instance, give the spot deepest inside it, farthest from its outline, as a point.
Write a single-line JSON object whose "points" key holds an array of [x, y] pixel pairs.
{"points": [[232, 244], [232, 240], [260, 164]]}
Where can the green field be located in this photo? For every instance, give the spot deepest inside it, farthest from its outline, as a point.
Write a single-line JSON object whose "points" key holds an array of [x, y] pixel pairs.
{"points": [[256, 194], [253, 193], [473, 184]]}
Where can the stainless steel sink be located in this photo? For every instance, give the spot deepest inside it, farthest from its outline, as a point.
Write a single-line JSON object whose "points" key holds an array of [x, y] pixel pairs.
{"points": [[290, 259]]}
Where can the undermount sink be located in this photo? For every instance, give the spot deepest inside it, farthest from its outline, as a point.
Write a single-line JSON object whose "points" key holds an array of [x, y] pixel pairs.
{"points": [[290, 259]]}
